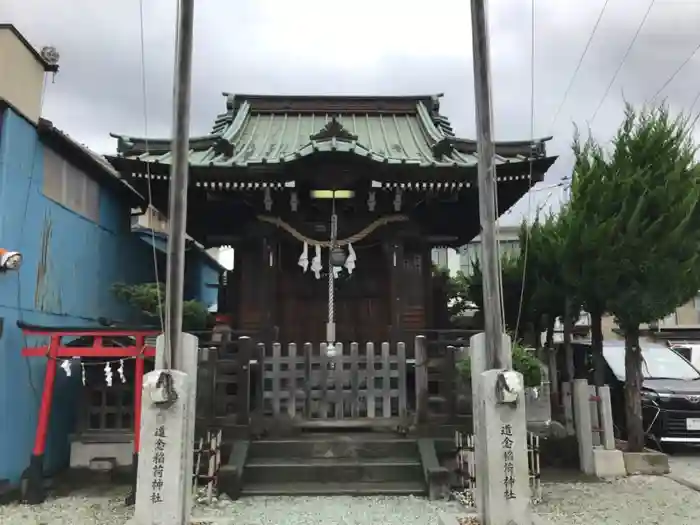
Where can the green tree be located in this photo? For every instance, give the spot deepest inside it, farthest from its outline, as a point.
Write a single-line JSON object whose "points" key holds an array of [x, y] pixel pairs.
{"points": [[549, 291], [534, 291], [148, 299], [512, 280], [633, 209], [583, 271]]}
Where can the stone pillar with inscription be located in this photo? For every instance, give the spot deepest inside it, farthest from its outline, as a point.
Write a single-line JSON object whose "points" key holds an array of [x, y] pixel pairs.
{"points": [[504, 495], [164, 478]]}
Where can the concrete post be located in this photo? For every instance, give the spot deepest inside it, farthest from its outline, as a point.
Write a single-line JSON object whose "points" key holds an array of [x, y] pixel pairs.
{"points": [[190, 362], [505, 489], [584, 429], [567, 400], [164, 483], [477, 351], [606, 418], [595, 416]]}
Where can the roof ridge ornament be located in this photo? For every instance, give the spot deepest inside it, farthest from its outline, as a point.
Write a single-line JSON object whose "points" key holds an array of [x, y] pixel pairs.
{"points": [[334, 129], [443, 148]]}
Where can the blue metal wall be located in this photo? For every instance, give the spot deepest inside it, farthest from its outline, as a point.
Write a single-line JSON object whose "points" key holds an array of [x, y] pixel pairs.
{"points": [[69, 266], [201, 270]]}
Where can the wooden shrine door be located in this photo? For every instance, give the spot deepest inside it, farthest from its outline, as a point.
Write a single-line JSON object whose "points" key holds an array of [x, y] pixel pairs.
{"points": [[365, 378], [361, 301]]}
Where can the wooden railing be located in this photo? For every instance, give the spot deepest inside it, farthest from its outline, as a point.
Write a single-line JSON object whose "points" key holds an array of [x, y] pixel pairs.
{"points": [[240, 378], [436, 373]]}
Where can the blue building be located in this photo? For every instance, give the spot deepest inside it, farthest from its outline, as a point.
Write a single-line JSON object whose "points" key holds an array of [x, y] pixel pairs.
{"points": [[202, 270], [67, 212]]}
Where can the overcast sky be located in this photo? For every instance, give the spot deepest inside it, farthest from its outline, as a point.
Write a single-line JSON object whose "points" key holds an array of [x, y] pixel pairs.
{"points": [[387, 47]]}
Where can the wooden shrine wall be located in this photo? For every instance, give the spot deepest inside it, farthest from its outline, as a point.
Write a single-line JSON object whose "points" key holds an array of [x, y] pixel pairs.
{"points": [[378, 302]]}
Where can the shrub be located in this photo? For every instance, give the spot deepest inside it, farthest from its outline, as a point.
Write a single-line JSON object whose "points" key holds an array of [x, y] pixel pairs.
{"points": [[523, 361]]}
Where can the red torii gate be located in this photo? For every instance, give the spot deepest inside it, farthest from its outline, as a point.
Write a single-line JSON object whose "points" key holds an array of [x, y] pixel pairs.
{"points": [[32, 478]]}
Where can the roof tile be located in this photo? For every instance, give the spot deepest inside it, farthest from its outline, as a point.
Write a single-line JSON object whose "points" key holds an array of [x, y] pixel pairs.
{"points": [[251, 133]]}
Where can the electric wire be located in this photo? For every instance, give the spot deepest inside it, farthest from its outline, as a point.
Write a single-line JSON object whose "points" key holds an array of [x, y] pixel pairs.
{"points": [[677, 71], [529, 193], [580, 63], [144, 94], [622, 62], [694, 103]]}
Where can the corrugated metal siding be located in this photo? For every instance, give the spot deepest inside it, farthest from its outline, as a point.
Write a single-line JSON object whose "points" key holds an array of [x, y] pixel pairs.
{"points": [[70, 264]]}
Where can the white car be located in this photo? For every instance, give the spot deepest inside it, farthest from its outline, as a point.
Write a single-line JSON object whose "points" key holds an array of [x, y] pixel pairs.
{"points": [[691, 351]]}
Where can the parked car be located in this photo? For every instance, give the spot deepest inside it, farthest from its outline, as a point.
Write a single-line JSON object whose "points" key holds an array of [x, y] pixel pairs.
{"points": [[691, 351], [670, 393]]}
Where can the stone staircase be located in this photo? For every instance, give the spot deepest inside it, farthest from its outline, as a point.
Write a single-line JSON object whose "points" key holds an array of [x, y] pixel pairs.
{"points": [[325, 464]]}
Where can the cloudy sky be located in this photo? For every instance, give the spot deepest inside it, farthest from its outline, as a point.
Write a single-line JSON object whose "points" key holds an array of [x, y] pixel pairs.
{"points": [[365, 47]]}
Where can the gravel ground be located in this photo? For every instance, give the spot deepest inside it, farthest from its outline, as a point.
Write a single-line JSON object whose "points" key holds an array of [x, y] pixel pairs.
{"points": [[629, 501], [105, 507], [339, 510], [99, 505], [686, 465]]}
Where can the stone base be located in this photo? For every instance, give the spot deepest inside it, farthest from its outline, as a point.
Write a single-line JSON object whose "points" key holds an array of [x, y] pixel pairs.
{"points": [[472, 518], [608, 463], [83, 453], [649, 463]]}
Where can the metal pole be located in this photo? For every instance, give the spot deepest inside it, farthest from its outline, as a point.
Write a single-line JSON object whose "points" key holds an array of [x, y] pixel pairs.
{"points": [[493, 317], [178, 187]]}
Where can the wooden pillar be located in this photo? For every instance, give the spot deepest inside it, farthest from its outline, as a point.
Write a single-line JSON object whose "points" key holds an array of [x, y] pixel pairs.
{"points": [[268, 289], [427, 278], [394, 249]]}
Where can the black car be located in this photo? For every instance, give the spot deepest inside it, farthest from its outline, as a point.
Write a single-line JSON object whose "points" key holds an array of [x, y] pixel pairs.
{"points": [[670, 393]]}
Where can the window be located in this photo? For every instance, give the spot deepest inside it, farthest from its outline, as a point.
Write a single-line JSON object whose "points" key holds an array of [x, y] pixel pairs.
{"points": [[439, 257], [152, 219], [670, 320], [70, 187]]}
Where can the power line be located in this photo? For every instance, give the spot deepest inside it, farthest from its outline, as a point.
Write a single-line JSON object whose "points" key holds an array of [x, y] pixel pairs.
{"points": [[677, 71], [622, 62], [529, 193], [580, 62], [144, 94], [695, 101]]}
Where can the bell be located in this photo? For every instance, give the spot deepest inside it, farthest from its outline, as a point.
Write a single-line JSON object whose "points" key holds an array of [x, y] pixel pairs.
{"points": [[338, 256]]}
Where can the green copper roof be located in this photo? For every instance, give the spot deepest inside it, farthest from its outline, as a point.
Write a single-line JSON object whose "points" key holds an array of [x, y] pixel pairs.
{"points": [[266, 130]]}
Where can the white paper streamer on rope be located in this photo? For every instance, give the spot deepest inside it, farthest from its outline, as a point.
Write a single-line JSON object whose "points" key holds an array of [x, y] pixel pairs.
{"points": [[316, 265], [82, 373], [65, 364], [108, 374], [350, 261], [304, 258], [120, 370], [336, 271]]}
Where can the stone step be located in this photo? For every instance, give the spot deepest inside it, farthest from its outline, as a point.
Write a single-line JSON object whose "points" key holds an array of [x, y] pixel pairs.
{"points": [[395, 488], [336, 446], [328, 470]]}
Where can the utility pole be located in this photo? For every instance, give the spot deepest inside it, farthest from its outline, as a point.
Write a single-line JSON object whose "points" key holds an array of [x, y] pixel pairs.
{"points": [[163, 493], [502, 494], [179, 179], [493, 313]]}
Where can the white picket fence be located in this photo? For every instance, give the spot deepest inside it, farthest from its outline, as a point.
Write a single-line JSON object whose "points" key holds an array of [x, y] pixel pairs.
{"points": [[465, 445]]}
